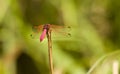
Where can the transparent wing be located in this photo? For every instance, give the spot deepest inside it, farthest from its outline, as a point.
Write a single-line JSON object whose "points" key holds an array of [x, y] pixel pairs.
{"points": [[58, 31], [37, 28], [36, 31], [61, 31]]}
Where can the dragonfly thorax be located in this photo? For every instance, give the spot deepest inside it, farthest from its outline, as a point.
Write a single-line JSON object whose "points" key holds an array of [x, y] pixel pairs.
{"points": [[46, 26]]}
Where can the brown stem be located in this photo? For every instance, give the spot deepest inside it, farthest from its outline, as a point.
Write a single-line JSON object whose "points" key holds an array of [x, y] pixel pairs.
{"points": [[50, 51]]}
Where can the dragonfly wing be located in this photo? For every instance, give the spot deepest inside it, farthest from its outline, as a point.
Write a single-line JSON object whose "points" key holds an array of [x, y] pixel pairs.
{"points": [[61, 31], [57, 31], [37, 30]]}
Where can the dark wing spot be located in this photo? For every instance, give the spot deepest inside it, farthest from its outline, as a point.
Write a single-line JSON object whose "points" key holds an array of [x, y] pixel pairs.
{"points": [[69, 34], [69, 27], [31, 35]]}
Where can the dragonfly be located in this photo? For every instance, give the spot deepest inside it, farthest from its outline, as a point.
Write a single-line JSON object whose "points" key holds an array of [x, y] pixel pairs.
{"points": [[47, 29], [57, 29]]}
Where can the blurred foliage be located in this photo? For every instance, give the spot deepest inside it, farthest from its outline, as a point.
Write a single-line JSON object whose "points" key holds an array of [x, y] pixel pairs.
{"points": [[92, 48]]}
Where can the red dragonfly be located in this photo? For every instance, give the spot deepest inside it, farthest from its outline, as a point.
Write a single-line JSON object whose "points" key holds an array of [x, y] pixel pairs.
{"points": [[44, 28]]}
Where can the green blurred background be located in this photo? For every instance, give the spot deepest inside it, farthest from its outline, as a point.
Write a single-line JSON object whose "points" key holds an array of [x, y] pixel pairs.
{"points": [[92, 48]]}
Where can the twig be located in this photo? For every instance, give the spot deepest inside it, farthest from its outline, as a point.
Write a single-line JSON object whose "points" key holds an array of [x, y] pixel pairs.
{"points": [[50, 51]]}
